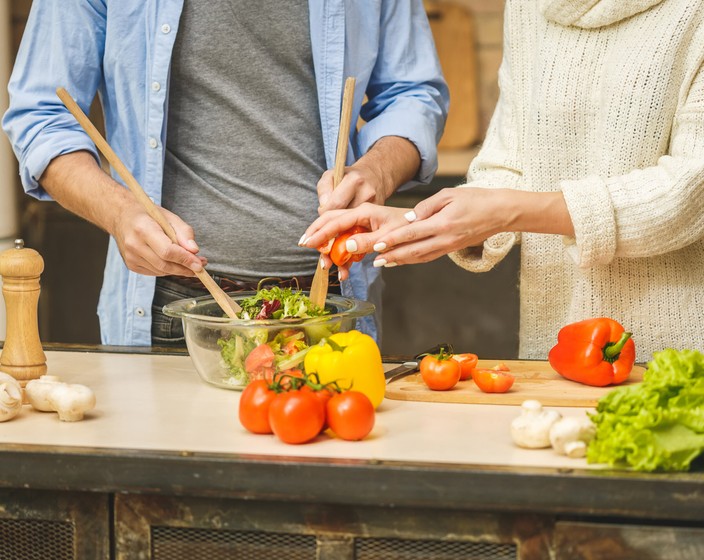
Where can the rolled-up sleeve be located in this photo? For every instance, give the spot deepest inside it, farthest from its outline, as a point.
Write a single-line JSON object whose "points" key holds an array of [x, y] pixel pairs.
{"points": [[63, 46], [407, 94]]}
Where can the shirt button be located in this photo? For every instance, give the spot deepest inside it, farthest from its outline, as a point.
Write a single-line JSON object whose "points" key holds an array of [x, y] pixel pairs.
{"points": [[166, 28], [153, 143], [139, 312], [156, 86]]}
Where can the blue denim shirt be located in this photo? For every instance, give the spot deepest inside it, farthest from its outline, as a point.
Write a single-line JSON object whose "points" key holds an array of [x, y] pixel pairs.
{"points": [[122, 50]]}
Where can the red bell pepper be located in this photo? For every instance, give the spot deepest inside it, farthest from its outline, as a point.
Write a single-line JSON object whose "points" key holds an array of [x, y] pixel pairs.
{"points": [[595, 352]]}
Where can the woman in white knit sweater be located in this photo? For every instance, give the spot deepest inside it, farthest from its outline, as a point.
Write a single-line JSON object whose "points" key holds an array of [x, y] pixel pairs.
{"points": [[593, 162]]}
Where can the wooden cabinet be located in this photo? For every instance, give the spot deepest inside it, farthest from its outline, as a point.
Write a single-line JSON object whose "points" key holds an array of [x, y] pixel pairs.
{"points": [[177, 528], [55, 525], [48, 525]]}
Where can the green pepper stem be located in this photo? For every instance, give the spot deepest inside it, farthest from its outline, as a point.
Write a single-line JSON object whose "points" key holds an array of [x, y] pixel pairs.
{"points": [[334, 345], [613, 349]]}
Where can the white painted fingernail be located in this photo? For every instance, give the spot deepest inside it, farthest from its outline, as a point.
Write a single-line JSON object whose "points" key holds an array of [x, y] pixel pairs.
{"points": [[378, 247], [379, 263], [351, 245], [390, 265], [322, 263], [302, 240], [410, 216]]}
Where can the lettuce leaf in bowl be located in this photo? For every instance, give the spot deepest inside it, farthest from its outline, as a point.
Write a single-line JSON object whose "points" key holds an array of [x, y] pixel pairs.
{"points": [[279, 303]]}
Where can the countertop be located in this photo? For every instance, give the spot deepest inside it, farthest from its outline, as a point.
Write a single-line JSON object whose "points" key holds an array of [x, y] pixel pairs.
{"points": [[158, 402], [157, 428]]}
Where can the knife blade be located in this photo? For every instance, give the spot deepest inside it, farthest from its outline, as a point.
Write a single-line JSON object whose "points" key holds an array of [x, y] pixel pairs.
{"points": [[411, 366]]}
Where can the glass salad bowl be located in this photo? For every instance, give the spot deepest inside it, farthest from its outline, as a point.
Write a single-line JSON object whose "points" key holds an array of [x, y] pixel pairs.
{"points": [[230, 353]]}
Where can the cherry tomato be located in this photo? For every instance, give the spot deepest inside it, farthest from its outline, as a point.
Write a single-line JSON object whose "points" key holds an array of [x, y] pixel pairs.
{"points": [[439, 371], [296, 416], [467, 363], [338, 252], [254, 407], [350, 415], [323, 396], [493, 380]]}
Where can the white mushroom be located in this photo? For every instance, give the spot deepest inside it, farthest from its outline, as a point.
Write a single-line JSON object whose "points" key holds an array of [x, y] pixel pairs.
{"points": [[10, 397], [570, 436], [37, 391], [48, 394], [71, 401], [532, 428]]}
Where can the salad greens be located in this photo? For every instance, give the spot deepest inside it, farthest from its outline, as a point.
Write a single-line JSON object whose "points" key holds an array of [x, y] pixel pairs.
{"points": [[657, 424], [250, 355], [258, 353], [233, 352], [279, 303]]}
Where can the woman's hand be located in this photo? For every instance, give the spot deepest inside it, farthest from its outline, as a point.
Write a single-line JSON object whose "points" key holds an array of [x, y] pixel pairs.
{"points": [[450, 220], [377, 219]]}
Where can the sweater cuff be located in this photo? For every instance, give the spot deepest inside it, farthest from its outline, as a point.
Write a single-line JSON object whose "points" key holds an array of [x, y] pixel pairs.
{"points": [[589, 204], [494, 250]]}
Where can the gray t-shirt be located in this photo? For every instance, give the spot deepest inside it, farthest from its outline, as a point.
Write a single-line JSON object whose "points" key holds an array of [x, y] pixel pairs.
{"points": [[244, 147]]}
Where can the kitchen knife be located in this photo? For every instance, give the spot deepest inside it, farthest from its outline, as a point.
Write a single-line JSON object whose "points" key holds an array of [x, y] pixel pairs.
{"points": [[411, 366]]}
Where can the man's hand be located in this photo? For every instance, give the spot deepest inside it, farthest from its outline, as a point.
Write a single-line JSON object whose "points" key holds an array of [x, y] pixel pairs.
{"points": [[78, 184], [146, 249], [391, 162]]}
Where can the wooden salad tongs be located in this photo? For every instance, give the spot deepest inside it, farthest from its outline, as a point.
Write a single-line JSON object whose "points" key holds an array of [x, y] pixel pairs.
{"points": [[228, 305], [319, 286]]}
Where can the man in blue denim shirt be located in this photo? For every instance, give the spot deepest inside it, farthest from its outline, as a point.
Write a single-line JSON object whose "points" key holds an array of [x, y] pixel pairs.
{"points": [[251, 94]]}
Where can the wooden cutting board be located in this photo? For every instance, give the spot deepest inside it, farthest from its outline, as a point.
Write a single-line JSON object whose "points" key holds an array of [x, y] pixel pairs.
{"points": [[534, 380]]}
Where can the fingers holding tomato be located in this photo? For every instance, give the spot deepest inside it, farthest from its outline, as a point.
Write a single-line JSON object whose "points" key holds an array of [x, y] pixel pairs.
{"points": [[342, 253]]}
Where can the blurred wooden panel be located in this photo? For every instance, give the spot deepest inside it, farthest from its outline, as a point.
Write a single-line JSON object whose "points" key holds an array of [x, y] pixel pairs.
{"points": [[453, 31]]}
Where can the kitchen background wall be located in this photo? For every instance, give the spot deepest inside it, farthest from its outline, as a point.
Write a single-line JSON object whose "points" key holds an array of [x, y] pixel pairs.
{"points": [[423, 304]]}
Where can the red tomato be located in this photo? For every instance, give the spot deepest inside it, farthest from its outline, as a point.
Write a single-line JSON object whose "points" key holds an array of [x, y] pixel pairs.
{"points": [[493, 380], [254, 407], [440, 372], [323, 396], [296, 416], [467, 363], [338, 252], [350, 415]]}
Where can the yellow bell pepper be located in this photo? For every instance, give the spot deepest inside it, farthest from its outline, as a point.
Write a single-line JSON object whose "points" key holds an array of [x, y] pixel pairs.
{"points": [[353, 360]]}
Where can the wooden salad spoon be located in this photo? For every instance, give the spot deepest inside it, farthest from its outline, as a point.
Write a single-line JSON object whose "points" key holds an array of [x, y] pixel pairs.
{"points": [[319, 286], [228, 305]]}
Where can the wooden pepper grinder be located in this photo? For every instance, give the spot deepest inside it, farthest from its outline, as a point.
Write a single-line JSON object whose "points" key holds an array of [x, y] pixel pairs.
{"points": [[22, 356]]}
